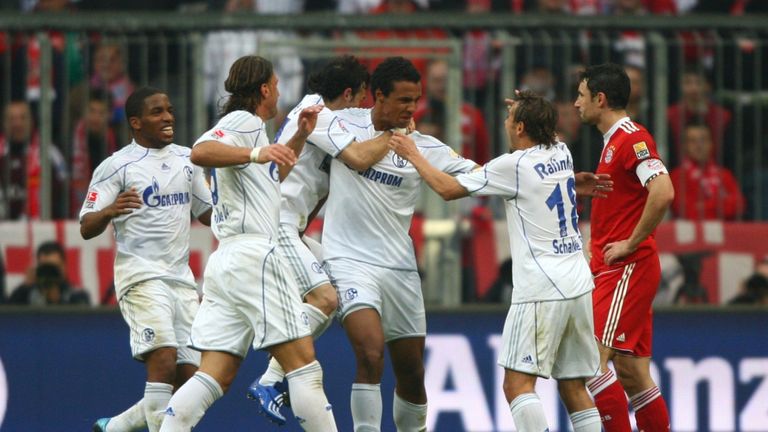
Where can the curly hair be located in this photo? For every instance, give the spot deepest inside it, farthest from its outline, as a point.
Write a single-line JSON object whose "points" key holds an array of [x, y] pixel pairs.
{"points": [[338, 75], [246, 76], [390, 71]]}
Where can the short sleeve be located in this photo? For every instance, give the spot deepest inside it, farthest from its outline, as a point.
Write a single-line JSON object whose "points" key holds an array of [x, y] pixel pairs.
{"points": [[106, 185], [331, 136], [238, 129], [496, 178]]}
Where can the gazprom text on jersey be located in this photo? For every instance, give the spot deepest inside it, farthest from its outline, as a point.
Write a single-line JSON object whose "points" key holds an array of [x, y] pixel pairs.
{"points": [[179, 198], [382, 177]]}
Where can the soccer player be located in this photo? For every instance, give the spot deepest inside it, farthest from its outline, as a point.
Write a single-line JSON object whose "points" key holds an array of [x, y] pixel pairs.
{"points": [[341, 83], [377, 281], [147, 191], [248, 297], [624, 259], [549, 328]]}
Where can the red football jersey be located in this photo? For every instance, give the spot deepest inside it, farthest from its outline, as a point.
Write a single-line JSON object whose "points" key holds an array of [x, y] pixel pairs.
{"points": [[615, 217]]}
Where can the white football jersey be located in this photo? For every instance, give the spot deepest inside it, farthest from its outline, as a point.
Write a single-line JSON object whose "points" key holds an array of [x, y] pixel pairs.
{"points": [[369, 212], [308, 182], [246, 198], [153, 241], [539, 190]]}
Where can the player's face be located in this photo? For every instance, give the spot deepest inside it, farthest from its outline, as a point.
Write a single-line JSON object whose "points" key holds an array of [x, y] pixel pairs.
{"points": [[271, 94], [397, 108], [154, 129], [587, 105]]}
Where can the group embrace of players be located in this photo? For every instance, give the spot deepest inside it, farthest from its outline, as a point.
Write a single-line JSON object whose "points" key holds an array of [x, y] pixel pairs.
{"points": [[366, 166]]}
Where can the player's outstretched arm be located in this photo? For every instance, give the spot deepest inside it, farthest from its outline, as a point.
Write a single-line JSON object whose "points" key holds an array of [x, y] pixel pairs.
{"points": [[594, 185], [94, 223], [363, 155], [215, 154], [661, 193], [444, 184]]}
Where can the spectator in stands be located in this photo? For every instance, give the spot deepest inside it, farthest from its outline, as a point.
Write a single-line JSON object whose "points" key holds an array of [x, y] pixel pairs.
{"points": [[703, 189], [222, 48], [430, 115], [20, 165], [696, 104], [481, 57], [754, 291], [109, 73], [93, 140], [49, 284], [638, 105], [540, 80]]}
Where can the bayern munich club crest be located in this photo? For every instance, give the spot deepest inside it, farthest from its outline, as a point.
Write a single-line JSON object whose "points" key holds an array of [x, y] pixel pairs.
{"points": [[609, 154]]}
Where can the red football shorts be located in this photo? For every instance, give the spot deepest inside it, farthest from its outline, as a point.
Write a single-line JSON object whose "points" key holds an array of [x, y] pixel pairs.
{"points": [[622, 305]]}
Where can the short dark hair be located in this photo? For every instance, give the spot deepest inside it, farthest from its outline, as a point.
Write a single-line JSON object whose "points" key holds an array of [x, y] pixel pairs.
{"points": [[610, 79], [390, 71], [538, 115], [246, 76], [101, 95], [134, 105], [50, 247], [338, 75]]}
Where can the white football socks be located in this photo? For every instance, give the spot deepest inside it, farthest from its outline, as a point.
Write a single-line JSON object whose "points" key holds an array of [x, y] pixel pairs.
{"points": [[308, 401], [189, 403], [409, 417], [366, 408]]}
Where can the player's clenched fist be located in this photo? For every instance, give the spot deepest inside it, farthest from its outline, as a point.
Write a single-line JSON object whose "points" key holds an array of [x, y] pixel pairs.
{"points": [[125, 203], [277, 153]]}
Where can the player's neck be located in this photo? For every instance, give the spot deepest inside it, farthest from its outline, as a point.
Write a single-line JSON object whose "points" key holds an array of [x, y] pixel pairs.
{"points": [[609, 118], [379, 123]]}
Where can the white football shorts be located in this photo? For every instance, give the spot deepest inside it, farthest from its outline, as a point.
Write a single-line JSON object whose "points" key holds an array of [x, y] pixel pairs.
{"points": [[159, 314], [307, 268], [248, 298], [394, 294], [551, 338]]}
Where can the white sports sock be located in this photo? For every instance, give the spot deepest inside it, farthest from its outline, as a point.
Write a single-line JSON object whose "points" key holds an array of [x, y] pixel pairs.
{"points": [[156, 397], [528, 413], [586, 421], [409, 417], [273, 374], [189, 403], [308, 401], [366, 408], [318, 321], [130, 420]]}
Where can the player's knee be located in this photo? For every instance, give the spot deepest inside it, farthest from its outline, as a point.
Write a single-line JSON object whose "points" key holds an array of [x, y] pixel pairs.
{"points": [[161, 365], [370, 359], [324, 298]]}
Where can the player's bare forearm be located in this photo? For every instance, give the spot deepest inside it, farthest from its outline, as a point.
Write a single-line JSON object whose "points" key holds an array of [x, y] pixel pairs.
{"points": [[661, 193], [205, 218], [444, 184], [214, 154], [363, 155], [94, 223]]}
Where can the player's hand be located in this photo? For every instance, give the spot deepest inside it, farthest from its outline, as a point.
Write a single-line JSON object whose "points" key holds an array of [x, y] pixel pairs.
{"points": [[403, 145], [615, 252], [277, 153], [308, 120], [411, 127], [125, 203], [594, 185]]}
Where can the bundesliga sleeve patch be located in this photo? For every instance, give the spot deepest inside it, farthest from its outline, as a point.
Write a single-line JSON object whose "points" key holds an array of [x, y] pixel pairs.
{"points": [[90, 200], [218, 133], [641, 150]]}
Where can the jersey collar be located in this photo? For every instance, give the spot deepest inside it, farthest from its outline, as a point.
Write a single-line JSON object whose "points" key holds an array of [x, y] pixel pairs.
{"points": [[607, 136]]}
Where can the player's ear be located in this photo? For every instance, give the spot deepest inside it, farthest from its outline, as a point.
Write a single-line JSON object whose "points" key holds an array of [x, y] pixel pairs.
{"points": [[348, 94], [134, 122]]}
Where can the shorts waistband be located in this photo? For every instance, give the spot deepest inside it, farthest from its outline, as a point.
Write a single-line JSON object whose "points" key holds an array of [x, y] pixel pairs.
{"points": [[246, 236]]}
